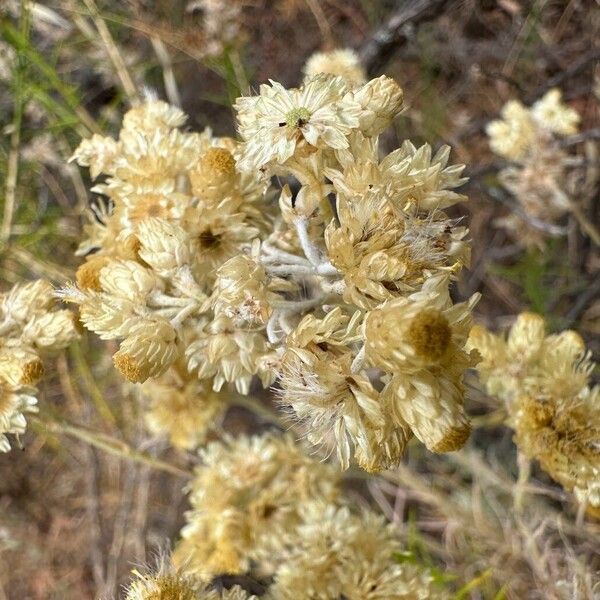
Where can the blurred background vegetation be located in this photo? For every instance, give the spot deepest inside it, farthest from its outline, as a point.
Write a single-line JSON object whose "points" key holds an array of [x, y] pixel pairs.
{"points": [[91, 495]]}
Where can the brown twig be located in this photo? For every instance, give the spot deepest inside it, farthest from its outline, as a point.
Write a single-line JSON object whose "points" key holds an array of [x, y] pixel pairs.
{"points": [[577, 67], [393, 33], [589, 134], [590, 293], [548, 228]]}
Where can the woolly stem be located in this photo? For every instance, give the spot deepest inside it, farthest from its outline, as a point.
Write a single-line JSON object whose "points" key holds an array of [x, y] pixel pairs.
{"points": [[308, 247], [333, 287], [184, 314], [289, 270], [158, 298], [275, 254]]}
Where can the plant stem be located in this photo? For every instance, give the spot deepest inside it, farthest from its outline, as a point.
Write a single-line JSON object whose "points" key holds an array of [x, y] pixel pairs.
{"points": [[108, 444]]}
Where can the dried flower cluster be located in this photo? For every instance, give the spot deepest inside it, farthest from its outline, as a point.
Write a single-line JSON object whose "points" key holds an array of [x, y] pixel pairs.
{"points": [[340, 289], [540, 168], [163, 262], [168, 584], [263, 509], [544, 380], [30, 328]]}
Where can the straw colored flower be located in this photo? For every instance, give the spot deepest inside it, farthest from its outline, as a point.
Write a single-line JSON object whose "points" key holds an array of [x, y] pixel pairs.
{"points": [[227, 353], [167, 583], [245, 498], [512, 136], [31, 328], [380, 101], [343, 63], [551, 114], [419, 331], [184, 410], [544, 381], [280, 123], [338, 554]]}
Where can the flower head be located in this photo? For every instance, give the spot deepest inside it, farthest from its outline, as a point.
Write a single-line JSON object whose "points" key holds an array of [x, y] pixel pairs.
{"points": [[246, 498], [544, 381], [551, 114], [343, 63], [280, 123], [513, 135]]}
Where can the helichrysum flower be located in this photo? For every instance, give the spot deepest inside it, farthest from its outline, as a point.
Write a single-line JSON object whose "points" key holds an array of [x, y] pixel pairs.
{"points": [[512, 136], [544, 380], [280, 123], [420, 331], [343, 63], [421, 341], [154, 114], [380, 101], [229, 353], [30, 329], [245, 498], [529, 360], [335, 407], [542, 178], [551, 114], [182, 408], [563, 435], [15, 402], [383, 252], [242, 291], [337, 554], [149, 349], [198, 275]]}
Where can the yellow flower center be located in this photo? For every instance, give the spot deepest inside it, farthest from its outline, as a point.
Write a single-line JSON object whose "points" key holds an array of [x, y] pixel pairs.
{"points": [[430, 334], [218, 160], [297, 117], [129, 368]]}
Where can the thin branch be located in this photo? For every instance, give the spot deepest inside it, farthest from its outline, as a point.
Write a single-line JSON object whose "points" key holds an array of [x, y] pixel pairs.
{"points": [[113, 53], [108, 444], [589, 294], [96, 550], [393, 33], [548, 228], [589, 134], [164, 58], [15, 136], [577, 67]]}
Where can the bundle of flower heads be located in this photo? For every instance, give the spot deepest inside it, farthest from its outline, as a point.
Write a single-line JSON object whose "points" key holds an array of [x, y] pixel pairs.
{"points": [[339, 289], [335, 554], [30, 328], [245, 497], [544, 381], [540, 171], [262, 509]]}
